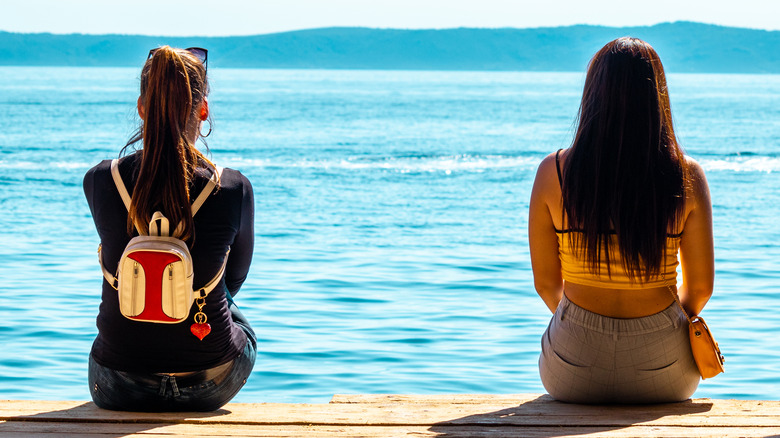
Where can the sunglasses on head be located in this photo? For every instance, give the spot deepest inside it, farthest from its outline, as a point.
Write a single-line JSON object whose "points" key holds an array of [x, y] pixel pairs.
{"points": [[198, 52]]}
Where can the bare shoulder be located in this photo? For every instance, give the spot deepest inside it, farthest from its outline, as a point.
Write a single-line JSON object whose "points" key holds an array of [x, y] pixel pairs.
{"points": [[696, 173], [547, 172], [695, 169], [546, 190], [698, 188]]}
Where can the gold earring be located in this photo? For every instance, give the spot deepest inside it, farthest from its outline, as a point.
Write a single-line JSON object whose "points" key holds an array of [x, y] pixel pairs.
{"points": [[208, 133]]}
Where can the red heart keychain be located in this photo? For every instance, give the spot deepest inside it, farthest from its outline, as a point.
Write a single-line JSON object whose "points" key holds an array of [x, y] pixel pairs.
{"points": [[201, 328]]}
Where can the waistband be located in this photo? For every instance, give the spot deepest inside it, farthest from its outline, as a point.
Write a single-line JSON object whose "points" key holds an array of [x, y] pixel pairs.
{"points": [[670, 317], [153, 380], [217, 374]]}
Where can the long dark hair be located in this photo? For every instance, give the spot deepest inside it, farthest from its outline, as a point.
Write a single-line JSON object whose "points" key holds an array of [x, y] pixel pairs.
{"points": [[173, 84], [625, 173]]}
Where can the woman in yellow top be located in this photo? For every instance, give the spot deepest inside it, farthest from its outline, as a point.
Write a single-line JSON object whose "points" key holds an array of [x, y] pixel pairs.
{"points": [[607, 219]]}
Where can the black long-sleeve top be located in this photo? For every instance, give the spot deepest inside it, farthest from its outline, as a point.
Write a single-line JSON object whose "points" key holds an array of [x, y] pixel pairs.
{"points": [[226, 220]]}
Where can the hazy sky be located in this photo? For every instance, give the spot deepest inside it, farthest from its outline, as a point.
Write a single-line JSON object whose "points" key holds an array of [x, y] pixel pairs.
{"points": [[246, 17]]}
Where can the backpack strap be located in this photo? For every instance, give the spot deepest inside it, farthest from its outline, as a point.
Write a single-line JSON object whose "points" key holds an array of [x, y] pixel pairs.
{"points": [[196, 204], [120, 187], [206, 192], [208, 287], [107, 275], [159, 225]]}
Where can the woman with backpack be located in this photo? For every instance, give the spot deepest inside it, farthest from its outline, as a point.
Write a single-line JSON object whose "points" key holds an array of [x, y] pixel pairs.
{"points": [[607, 220], [176, 241]]}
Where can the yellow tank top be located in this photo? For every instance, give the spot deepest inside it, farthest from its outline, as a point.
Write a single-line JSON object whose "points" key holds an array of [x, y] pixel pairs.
{"points": [[574, 269]]}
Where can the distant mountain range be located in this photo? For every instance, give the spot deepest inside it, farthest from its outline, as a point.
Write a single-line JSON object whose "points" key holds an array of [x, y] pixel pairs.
{"points": [[683, 46]]}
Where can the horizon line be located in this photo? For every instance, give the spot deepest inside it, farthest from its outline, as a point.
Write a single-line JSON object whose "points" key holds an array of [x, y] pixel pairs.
{"points": [[389, 28]]}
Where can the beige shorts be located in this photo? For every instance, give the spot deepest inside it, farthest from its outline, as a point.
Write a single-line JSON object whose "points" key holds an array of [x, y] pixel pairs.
{"points": [[590, 358]]}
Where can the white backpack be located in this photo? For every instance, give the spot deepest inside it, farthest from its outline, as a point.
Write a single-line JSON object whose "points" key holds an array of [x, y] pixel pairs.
{"points": [[154, 276]]}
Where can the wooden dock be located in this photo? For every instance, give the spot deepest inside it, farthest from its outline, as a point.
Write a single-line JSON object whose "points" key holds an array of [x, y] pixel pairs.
{"points": [[528, 415]]}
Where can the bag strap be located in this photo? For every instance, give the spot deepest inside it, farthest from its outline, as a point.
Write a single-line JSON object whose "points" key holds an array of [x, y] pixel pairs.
{"points": [[677, 299], [120, 187], [113, 281], [159, 225], [208, 287], [206, 192], [202, 197], [196, 204]]}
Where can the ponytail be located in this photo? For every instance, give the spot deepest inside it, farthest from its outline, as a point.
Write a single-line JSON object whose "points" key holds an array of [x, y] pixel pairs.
{"points": [[173, 85]]}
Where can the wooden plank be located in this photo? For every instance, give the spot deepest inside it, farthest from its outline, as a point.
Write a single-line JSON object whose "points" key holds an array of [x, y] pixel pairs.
{"points": [[546, 402], [141, 430], [536, 412]]}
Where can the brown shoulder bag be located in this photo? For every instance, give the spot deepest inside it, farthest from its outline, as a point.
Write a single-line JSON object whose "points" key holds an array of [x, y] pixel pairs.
{"points": [[705, 350]]}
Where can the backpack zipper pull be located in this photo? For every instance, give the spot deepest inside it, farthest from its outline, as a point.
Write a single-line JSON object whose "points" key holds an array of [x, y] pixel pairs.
{"points": [[135, 286], [170, 284]]}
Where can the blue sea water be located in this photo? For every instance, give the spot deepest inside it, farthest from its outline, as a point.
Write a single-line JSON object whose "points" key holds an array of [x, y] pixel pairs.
{"points": [[391, 210]]}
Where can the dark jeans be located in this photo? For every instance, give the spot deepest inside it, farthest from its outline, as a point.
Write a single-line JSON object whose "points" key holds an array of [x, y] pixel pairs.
{"points": [[205, 390]]}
